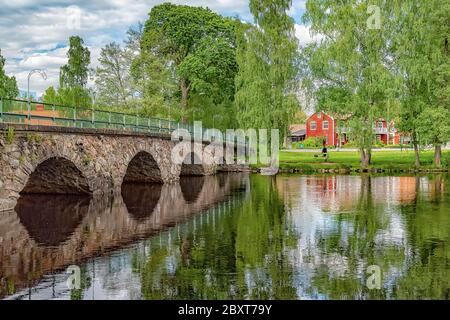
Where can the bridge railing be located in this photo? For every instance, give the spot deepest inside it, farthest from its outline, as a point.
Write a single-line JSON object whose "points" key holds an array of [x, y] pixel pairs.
{"points": [[39, 113]]}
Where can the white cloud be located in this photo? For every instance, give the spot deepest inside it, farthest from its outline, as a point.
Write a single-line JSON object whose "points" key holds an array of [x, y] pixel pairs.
{"points": [[34, 34], [304, 35], [42, 61]]}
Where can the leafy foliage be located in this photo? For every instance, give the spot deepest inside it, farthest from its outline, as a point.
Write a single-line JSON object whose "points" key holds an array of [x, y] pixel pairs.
{"points": [[198, 47], [112, 76], [433, 126], [347, 71], [8, 85], [76, 96], [266, 82], [76, 72], [73, 77], [420, 59]]}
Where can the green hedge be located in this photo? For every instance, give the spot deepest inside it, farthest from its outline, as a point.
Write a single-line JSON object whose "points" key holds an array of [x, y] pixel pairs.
{"points": [[313, 142]]}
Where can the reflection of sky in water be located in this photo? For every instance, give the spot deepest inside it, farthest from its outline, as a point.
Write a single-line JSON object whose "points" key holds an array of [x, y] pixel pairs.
{"points": [[112, 277], [314, 205], [318, 209]]}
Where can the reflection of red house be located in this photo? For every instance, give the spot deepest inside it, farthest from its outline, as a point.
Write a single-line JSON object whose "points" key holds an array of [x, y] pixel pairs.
{"points": [[323, 125]]}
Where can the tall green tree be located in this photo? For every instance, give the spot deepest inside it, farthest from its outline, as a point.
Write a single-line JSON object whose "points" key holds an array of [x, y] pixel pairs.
{"points": [[433, 126], [198, 42], [8, 85], [112, 76], [74, 75], [348, 72], [118, 85], [439, 32], [418, 42], [154, 82], [76, 72], [267, 79]]}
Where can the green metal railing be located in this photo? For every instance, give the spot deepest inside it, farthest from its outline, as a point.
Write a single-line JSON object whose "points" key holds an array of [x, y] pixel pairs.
{"points": [[17, 111], [38, 113]]}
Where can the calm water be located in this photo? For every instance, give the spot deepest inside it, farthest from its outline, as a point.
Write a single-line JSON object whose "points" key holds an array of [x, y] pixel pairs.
{"points": [[235, 237]]}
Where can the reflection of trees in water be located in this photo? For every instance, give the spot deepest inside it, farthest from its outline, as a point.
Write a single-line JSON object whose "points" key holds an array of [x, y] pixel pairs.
{"points": [[247, 252], [358, 242], [141, 199], [428, 229], [417, 268], [263, 237], [51, 219], [83, 229], [240, 255]]}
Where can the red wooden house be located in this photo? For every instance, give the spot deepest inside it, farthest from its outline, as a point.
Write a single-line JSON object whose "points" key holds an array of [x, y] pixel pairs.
{"points": [[322, 125], [325, 126]]}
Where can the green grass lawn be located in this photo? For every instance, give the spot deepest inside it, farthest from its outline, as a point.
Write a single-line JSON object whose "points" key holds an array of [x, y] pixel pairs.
{"points": [[342, 159]]}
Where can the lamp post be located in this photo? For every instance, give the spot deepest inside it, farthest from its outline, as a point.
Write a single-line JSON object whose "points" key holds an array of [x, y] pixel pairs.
{"points": [[44, 76]]}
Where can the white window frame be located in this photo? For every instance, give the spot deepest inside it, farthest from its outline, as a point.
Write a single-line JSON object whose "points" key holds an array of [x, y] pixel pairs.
{"points": [[313, 125], [323, 125]]}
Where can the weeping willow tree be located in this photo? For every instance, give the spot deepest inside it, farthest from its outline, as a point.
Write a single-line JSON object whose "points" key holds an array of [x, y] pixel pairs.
{"points": [[434, 122], [348, 71], [418, 32], [266, 55]]}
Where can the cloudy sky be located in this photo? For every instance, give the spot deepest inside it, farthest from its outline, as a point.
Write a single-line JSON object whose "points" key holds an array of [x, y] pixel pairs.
{"points": [[34, 33]]}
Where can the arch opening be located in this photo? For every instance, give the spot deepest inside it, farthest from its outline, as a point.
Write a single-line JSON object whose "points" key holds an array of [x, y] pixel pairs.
{"points": [[56, 175], [143, 168], [192, 166]]}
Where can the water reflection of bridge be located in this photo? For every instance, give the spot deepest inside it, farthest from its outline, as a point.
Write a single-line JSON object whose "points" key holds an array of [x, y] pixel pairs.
{"points": [[46, 233]]}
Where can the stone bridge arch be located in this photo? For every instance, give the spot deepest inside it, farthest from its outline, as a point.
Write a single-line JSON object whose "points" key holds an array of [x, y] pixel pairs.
{"points": [[88, 161], [47, 168], [145, 160], [143, 168]]}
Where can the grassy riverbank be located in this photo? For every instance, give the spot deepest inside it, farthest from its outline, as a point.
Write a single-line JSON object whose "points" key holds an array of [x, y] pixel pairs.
{"points": [[349, 161]]}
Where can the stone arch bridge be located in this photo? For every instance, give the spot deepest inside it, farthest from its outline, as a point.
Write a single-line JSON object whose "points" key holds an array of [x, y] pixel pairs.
{"points": [[59, 160]]}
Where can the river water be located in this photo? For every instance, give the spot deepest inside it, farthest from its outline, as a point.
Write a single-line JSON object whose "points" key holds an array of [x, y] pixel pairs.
{"points": [[235, 236]]}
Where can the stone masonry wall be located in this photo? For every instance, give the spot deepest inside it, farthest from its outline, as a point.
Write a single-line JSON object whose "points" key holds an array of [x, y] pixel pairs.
{"points": [[93, 161]]}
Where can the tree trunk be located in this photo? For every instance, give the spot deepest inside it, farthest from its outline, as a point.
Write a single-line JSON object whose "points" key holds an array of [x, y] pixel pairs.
{"points": [[417, 155], [365, 158], [185, 89], [416, 150], [437, 156], [184, 93]]}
